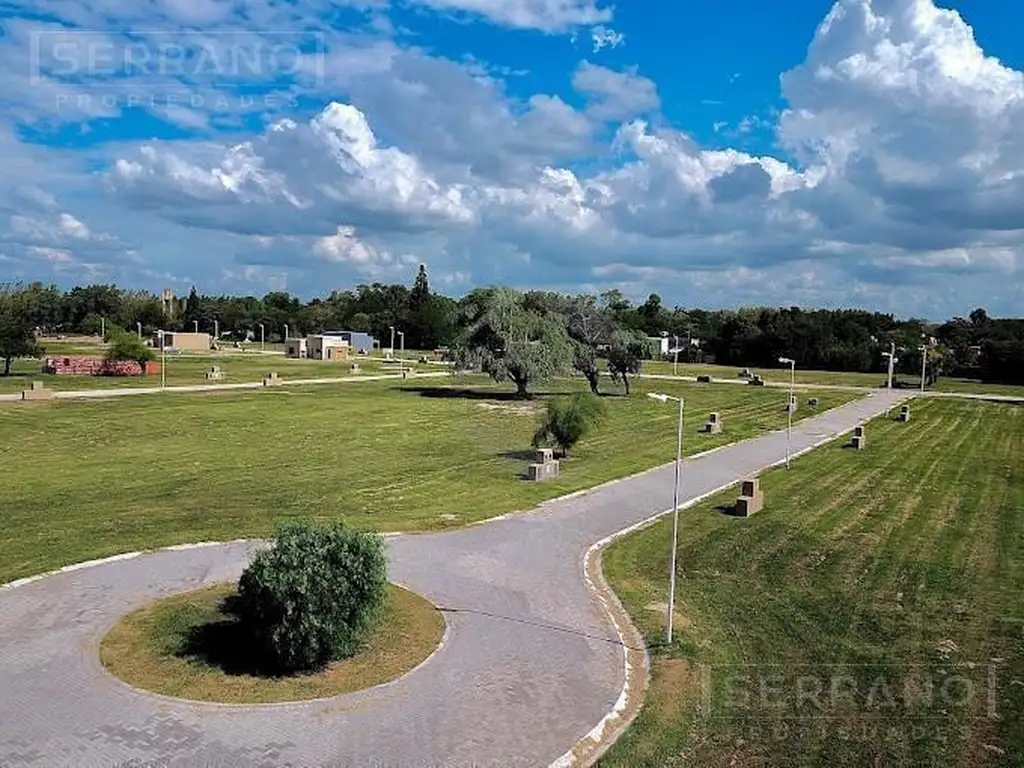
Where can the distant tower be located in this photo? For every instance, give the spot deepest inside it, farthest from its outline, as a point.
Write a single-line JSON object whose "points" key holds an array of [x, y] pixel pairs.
{"points": [[167, 299]]}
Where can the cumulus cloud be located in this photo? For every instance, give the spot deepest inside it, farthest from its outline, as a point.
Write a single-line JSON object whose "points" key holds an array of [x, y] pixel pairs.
{"points": [[302, 177], [903, 165]]}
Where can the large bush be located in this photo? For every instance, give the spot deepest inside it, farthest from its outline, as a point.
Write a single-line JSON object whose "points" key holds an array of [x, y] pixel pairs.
{"points": [[313, 596], [128, 346], [567, 420]]}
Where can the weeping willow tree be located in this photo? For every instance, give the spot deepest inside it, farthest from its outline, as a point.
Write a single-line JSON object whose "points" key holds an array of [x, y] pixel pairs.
{"points": [[504, 337]]}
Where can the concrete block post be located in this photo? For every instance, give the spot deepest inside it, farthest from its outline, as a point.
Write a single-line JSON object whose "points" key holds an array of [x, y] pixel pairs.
{"points": [[751, 500]]}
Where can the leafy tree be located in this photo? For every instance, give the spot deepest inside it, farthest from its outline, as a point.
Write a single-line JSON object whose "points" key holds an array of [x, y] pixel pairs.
{"points": [[589, 326], [42, 305], [192, 307], [91, 325], [17, 332], [568, 420], [509, 341], [313, 596], [420, 294], [626, 356], [128, 346]]}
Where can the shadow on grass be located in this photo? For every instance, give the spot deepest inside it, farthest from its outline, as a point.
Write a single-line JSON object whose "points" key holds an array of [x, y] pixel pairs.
{"points": [[526, 455], [729, 510], [467, 393], [225, 645]]}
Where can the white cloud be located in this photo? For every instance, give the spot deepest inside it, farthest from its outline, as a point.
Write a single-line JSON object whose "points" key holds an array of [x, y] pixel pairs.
{"points": [[544, 15], [605, 37], [904, 166], [344, 246], [310, 175], [615, 95]]}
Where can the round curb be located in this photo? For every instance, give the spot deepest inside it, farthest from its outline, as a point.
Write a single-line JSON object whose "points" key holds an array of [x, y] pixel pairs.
{"points": [[270, 705]]}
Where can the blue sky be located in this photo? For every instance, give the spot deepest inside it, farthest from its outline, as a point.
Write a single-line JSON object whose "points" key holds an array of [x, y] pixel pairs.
{"points": [[857, 153]]}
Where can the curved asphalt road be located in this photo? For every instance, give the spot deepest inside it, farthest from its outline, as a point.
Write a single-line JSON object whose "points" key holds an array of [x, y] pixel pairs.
{"points": [[530, 665]]}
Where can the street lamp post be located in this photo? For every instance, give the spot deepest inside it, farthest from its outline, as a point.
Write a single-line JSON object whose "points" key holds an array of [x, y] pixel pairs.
{"points": [[670, 613], [401, 354], [789, 406], [675, 357], [924, 362], [216, 330], [891, 354], [139, 327], [285, 332], [262, 336], [103, 328], [195, 326], [392, 352], [163, 359]]}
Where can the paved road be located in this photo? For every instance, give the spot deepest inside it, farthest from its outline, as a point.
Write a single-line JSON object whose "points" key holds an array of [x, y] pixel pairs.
{"points": [[808, 386], [80, 394], [530, 665]]}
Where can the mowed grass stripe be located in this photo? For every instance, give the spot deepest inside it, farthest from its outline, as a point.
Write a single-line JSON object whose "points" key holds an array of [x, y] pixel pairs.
{"points": [[89, 479], [921, 575], [892, 519], [937, 497]]}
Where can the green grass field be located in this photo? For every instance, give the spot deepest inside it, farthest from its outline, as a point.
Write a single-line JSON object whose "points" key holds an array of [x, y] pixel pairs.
{"points": [[88, 479], [191, 369], [808, 634], [831, 378]]}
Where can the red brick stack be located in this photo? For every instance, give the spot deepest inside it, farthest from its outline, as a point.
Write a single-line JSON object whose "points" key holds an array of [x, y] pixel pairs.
{"points": [[95, 366]]}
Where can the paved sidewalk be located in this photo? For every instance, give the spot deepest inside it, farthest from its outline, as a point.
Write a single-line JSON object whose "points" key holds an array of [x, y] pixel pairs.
{"points": [[530, 666]]}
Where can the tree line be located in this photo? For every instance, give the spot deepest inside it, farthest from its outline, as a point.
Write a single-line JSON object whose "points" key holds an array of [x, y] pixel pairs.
{"points": [[519, 336]]}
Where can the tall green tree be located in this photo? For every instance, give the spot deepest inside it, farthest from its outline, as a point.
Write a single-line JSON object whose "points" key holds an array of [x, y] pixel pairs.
{"points": [[510, 342], [590, 326], [17, 331], [420, 294], [626, 356]]}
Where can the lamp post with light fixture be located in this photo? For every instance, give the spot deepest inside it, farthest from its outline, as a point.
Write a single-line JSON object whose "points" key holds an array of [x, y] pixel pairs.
{"points": [[161, 335], [789, 406], [891, 354], [670, 613]]}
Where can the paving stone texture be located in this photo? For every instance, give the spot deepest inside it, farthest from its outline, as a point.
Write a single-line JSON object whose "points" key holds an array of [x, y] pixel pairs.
{"points": [[530, 665]]}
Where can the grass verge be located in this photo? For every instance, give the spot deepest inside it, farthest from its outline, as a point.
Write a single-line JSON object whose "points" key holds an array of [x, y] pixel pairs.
{"points": [[833, 378], [184, 370], [88, 479], [187, 647], [871, 614]]}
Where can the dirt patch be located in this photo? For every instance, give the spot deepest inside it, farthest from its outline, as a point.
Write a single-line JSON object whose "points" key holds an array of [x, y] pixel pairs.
{"points": [[521, 409], [676, 684], [678, 620]]}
